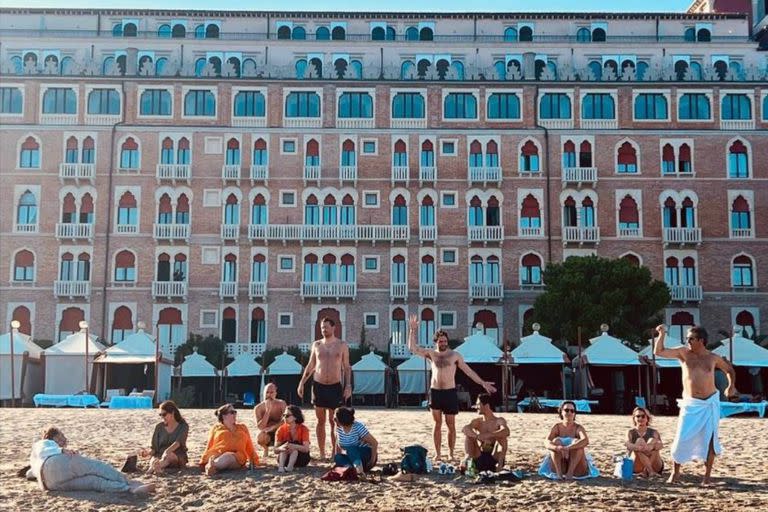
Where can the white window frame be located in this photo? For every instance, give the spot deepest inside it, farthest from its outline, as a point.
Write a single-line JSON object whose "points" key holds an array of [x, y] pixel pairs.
{"points": [[341, 90], [306, 122], [447, 326], [256, 122], [518, 92], [140, 90], [280, 268], [283, 140], [566, 123], [45, 87], [398, 121], [20, 86], [446, 92], [709, 93], [455, 195], [215, 324], [378, 264], [295, 198], [613, 93], [375, 146], [119, 191], [664, 92], [280, 317], [455, 143], [187, 88], [365, 320], [749, 197], [442, 256], [376, 193]]}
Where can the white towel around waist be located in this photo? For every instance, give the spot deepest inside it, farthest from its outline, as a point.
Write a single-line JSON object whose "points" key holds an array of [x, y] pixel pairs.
{"points": [[696, 426]]}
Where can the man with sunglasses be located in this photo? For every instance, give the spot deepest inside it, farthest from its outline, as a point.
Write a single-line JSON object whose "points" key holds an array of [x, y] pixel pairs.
{"points": [[697, 426]]}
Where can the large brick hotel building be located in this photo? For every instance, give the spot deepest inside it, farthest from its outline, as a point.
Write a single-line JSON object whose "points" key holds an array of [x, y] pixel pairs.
{"points": [[244, 173]]}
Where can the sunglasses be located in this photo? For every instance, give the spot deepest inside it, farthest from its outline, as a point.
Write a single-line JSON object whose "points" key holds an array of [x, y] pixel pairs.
{"points": [[230, 412], [569, 410], [640, 415], [287, 415]]}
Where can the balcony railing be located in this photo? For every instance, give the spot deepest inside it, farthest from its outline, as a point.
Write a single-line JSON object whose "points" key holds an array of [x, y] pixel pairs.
{"points": [[629, 233], [127, 229], [259, 172], [74, 230], [398, 291], [529, 232], [484, 174], [361, 122], [169, 289], [579, 174], [427, 291], [737, 124], [328, 289], [253, 349], [682, 236], [228, 290], [599, 124], [427, 173], [400, 173], [174, 172], [581, 234], [485, 234], [427, 233], [420, 122], [339, 232], [249, 121], [686, 293], [312, 173], [303, 122], [72, 288], [171, 231], [557, 124], [230, 172], [230, 231], [257, 289], [399, 351], [741, 233], [77, 171], [58, 118], [486, 291], [25, 228], [348, 173], [102, 119]]}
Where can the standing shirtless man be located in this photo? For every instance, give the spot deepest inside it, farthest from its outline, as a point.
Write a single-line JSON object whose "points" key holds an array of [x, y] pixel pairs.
{"points": [[443, 398], [697, 425], [332, 380], [269, 417]]}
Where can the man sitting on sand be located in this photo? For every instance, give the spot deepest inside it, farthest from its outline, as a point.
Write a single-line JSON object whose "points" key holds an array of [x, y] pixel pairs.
{"points": [[697, 426], [269, 416], [485, 438], [59, 469]]}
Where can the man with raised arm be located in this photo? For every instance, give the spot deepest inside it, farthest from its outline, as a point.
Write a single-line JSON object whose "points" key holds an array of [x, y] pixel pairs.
{"points": [[332, 380], [697, 425], [443, 399], [269, 417]]}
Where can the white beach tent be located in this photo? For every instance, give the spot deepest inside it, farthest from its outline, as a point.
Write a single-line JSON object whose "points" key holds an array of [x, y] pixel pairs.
{"points": [[244, 365], [745, 352], [285, 372], [481, 349], [605, 350], [537, 349], [285, 364], [662, 362], [139, 349], [414, 374], [610, 353], [195, 371], [196, 365], [65, 364], [26, 363], [369, 375]]}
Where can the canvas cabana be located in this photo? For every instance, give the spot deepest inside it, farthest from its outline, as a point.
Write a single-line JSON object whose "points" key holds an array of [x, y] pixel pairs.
{"points": [[414, 377], [243, 375], [540, 364], [26, 379], [484, 357], [130, 364], [285, 372], [749, 360], [369, 375], [668, 385], [65, 364], [197, 372], [611, 364]]}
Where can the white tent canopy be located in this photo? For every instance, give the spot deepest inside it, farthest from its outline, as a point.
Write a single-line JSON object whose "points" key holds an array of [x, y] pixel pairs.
{"points": [[244, 365], [285, 364], [369, 375], [140, 348], [663, 362], [537, 349], [412, 375], [745, 352], [479, 348], [33, 377], [196, 365], [65, 363], [605, 350]]}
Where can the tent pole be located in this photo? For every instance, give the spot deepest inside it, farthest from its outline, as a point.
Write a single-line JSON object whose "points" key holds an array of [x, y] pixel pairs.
{"points": [[562, 380]]}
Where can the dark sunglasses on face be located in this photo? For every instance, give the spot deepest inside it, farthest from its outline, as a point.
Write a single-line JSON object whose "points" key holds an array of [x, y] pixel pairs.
{"points": [[287, 415], [230, 412]]}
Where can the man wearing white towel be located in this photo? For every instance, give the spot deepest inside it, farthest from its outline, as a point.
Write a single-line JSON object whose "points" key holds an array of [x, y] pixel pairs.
{"points": [[697, 425]]}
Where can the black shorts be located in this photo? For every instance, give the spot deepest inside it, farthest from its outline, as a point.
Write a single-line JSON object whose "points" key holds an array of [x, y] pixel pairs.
{"points": [[445, 400], [327, 396], [485, 462]]}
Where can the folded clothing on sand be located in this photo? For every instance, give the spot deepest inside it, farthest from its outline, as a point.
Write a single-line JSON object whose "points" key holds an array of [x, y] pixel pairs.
{"points": [[696, 427]]}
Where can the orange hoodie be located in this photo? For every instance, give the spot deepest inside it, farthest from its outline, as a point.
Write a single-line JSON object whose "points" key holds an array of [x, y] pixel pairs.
{"points": [[222, 440]]}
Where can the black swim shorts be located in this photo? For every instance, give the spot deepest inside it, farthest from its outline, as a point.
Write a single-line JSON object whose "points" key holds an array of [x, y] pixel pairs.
{"points": [[445, 400], [327, 396]]}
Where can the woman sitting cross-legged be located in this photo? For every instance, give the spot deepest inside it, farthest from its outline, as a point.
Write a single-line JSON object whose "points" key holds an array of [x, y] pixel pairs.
{"points": [[292, 441], [169, 440], [59, 469], [355, 446], [229, 444], [644, 444], [565, 443]]}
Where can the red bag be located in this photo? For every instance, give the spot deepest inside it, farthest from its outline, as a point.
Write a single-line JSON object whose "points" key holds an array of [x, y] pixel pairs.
{"points": [[340, 474]]}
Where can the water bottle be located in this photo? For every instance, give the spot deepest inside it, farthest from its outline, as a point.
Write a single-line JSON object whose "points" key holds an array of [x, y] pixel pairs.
{"points": [[471, 469], [429, 465]]}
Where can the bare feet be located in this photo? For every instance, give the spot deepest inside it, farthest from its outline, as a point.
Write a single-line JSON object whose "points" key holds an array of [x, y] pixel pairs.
{"points": [[210, 468], [142, 489], [674, 478], [281, 469], [706, 482]]}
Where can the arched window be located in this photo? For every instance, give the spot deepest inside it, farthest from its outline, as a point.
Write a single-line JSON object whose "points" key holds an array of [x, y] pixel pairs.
{"points": [[746, 321], [68, 209], [669, 213], [672, 272], [681, 68], [510, 35], [160, 66], [503, 106], [117, 30], [200, 103], [492, 212], [569, 154], [302, 104], [355, 105], [689, 272], [530, 270], [127, 213], [475, 154], [299, 33], [87, 156], [259, 210], [680, 323], [427, 154], [378, 34], [312, 156], [525, 34], [122, 323], [70, 322], [555, 106], [250, 104], [400, 211], [170, 329], [703, 35], [629, 217], [29, 157], [426, 34], [583, 35], [399, 272], [71, 151], [179, 31], [260, 155], [182, 210], [348, 153], [167, 153], [598, 35], [24, 266], [529, 157], [411, 34], [491, 154], [689, 36], [530, 215], [400, 155], [322, 34], [391, 35], [475, 215], [165, 210], [311, 268], [125, 267], [258, 326], [330, 210], [587, 213], [407, 70], [460, 106], [259, 269], [129, 155], [398, 329], [585, 154], [83, 267], [569, 213], [232, 156], [668, 159], [212, 31], [626, 159], [738, 162], [338, 33], [26, 212], [741, 223], [736, 107], [347, 269], [231, 210], [631, 259], [408, 105], [284, 32], [687, 214], [426, 327], [229, 269], [130, 30], [741, 272], [22, 315]]}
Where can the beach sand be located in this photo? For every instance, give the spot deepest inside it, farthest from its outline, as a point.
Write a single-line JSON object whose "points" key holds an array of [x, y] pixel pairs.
{"points": [[741, 473]]}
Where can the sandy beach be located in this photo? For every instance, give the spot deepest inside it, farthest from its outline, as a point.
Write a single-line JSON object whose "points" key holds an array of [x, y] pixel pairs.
{"points": [[110, 435]]}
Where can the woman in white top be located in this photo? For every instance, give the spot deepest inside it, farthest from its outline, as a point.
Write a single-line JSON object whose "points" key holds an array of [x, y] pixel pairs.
{"points": [[59, 469], [355, 446]]}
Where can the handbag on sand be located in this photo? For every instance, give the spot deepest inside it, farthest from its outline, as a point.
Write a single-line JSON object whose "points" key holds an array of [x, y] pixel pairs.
{"points": [[340, 474]]}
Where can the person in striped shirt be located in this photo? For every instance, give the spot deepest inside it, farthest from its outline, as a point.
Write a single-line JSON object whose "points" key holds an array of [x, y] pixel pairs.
{"points": [[355, 446]]}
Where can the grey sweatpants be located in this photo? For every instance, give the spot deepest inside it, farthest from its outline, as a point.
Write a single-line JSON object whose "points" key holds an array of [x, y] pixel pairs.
{"points": [[77, 473]]}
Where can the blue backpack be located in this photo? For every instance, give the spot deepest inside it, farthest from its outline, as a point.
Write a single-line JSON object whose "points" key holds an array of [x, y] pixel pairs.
{"points": [[414, 459]]}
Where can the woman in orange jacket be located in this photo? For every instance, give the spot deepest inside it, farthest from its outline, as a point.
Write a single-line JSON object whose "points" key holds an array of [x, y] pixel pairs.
{"points": [[229, 444]]}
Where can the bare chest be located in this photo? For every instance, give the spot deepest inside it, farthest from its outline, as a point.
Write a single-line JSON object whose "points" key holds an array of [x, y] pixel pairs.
{"points": [[699, 364], [441, 361], [328, 353]]}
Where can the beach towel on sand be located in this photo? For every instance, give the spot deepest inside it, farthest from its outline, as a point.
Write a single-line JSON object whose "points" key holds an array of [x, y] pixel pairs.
{"points": [[696, 426], [547, 469]]}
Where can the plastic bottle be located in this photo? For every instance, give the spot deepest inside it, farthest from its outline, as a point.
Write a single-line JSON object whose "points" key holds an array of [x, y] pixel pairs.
{"points": [[471, 470], [429, 465]]}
